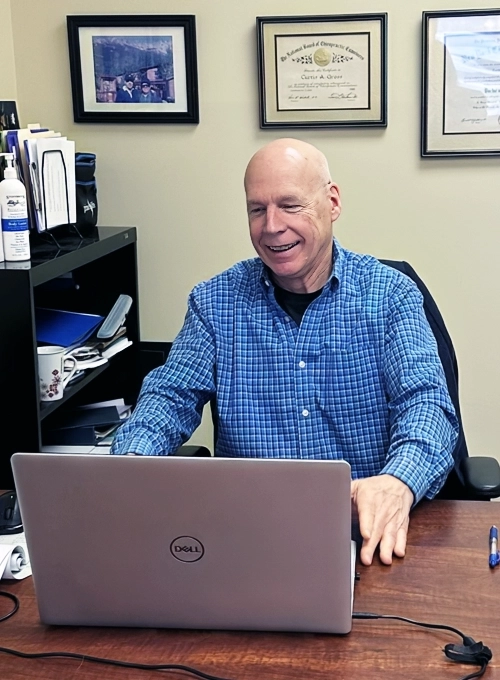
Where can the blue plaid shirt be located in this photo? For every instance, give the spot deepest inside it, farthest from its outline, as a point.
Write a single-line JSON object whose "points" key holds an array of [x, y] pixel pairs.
{"points": [[360, 378]]}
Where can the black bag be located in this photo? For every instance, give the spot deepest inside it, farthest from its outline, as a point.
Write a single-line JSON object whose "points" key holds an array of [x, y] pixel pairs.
{"points": [[86, 190]]}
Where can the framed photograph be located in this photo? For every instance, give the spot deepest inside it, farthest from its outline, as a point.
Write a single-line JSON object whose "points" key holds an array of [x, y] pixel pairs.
{"points": [[322, 71], [461, 83], [133, 68]]}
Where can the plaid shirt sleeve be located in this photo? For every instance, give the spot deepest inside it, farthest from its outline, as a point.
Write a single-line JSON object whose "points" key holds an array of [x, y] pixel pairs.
{"points": [[172, 397], [423, 424]]}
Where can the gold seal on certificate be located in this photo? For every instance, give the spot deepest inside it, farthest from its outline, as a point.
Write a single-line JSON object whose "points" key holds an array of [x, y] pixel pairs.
{"points": [[327, 73], [322, 57]]}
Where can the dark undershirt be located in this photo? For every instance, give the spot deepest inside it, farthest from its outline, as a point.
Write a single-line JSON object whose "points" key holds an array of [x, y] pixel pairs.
{"points": [[294, 304]]}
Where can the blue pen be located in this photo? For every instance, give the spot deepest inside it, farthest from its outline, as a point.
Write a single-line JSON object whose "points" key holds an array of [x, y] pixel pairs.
{"points": [[494, 554]]}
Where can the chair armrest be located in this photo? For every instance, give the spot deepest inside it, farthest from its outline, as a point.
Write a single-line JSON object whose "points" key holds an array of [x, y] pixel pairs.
{"points": [[191, 450], [481, 476]]}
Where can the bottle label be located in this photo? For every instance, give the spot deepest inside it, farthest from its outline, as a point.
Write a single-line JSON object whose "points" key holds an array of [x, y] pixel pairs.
{"points": [[15, 224], [15, 205], [16, 245]]}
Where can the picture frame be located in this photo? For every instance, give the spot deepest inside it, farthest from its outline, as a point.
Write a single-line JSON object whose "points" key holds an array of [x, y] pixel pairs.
{"points": [[322, 71], [460, 83], [133, 68]]}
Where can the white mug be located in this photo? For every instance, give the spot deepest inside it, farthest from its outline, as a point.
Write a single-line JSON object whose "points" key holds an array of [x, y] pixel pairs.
{"points": [[51, 373]]}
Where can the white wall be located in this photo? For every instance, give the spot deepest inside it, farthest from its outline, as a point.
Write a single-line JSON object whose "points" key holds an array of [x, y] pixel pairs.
{"points": [[182, 185]]}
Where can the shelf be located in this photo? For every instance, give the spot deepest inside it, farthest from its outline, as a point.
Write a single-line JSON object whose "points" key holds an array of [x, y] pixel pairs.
{"points": [[48, 407], [48, 262], [79, 275]]}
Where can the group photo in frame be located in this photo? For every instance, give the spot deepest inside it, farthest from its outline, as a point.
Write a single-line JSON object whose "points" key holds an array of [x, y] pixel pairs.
{"points": [[461, 83], [133, 68], [323, 71]]}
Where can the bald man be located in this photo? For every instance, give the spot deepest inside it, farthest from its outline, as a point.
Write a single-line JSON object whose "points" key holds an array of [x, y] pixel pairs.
{"points": [[311, 351]]}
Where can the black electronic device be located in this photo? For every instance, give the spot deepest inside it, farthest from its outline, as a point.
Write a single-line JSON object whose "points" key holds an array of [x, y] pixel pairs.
{"points": [[115, 318], [10, 515]]}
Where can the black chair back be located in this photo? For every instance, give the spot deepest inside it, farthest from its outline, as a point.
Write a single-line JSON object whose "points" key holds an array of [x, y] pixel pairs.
{"points": [[454, 486]]}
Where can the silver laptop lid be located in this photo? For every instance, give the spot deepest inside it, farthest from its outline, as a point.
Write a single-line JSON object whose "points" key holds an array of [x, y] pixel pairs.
{"points": [[256, 544]]}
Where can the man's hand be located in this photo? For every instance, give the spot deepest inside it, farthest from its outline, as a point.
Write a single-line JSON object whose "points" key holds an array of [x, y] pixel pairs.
{"points": [[383, 504]]}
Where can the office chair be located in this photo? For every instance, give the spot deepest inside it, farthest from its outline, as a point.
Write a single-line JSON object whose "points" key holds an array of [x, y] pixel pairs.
{"points": [[472, 478], [475, 477]]}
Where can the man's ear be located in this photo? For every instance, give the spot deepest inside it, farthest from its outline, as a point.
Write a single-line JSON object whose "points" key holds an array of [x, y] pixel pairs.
{"points": [[335, 203]]}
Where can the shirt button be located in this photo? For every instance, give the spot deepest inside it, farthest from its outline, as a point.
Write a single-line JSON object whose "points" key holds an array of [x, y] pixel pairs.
{"points": [[305, 413], [287, 318], [302, 364]]}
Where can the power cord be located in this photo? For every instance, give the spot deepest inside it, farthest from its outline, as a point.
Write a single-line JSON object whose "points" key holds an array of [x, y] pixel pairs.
{"points": [[14, 609], [471, 652], [97, 659]]}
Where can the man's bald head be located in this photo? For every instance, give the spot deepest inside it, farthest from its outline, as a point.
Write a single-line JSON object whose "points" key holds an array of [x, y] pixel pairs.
{"points": [[305, 157]]}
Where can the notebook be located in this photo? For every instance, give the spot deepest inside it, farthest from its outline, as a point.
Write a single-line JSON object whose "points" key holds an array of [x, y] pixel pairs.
{"points": [[172, 542]]}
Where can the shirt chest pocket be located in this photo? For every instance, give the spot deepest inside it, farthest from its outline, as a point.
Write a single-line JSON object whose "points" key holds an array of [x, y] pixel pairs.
{"points": [[349, 382]]}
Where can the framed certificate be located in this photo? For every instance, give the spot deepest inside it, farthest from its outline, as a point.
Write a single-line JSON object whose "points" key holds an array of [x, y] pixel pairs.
{"points": [[322, 71], [461, 83]]}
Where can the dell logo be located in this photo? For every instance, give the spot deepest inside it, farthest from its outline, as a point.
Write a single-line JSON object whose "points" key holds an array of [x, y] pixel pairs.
{"points": [[187, 549]]}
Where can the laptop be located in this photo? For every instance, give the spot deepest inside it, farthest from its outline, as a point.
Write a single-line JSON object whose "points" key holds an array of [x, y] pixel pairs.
{"points": [[173, 542]]}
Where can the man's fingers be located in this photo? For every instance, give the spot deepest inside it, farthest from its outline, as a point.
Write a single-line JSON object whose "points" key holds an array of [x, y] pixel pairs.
{"points": [[367, 551], [388, 543], [383, 534], [400, 547], [383, 507], [372, 530]]}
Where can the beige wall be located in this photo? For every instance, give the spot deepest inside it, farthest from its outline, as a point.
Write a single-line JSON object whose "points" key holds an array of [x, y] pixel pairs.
{"points": [[8, 89], [182, 185]]}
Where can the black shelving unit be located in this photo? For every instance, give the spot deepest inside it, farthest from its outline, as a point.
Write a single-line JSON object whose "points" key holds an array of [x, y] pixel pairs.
{"points": [[81, 275]]}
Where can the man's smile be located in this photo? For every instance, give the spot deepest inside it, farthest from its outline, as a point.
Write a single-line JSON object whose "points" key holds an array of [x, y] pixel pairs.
{"points": [[281, 249]]}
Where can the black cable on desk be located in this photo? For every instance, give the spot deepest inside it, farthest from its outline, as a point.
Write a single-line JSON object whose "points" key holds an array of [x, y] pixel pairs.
{"points": [[14, 609], [471, 652], [113, 662], [97, 659]]}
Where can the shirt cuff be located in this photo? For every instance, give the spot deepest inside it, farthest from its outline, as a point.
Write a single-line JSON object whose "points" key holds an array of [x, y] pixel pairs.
{"points": [[404, 470], [138, 443]]}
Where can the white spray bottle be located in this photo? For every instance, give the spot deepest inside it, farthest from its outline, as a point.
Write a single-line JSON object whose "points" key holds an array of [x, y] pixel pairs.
{"points": [[15, 228]]}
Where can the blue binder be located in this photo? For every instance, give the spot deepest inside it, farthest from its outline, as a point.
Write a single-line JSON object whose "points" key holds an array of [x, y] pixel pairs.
{"points": [[68, 329]]}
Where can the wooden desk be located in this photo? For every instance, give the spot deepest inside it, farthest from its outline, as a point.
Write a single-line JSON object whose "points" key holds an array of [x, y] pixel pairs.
{"points": [[444, 578]]}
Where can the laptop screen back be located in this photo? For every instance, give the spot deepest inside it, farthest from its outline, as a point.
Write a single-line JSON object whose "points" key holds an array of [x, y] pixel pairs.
{"points": [[255, 544]]}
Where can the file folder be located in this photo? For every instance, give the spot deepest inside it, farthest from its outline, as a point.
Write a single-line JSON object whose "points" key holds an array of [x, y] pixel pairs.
{"points": [[68, 329], [82, 436], [92, 417], [83, 426]]}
